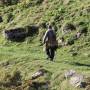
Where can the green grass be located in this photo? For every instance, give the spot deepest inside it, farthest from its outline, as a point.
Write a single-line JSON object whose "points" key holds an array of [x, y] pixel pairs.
{"points": [[28, 56]]}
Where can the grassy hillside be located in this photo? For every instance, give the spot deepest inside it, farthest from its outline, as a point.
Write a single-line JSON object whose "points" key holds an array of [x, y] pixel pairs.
{"points": [[28, 56]]}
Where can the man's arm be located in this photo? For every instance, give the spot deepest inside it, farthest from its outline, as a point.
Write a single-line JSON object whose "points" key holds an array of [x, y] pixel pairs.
{"points": [[45, 37]]}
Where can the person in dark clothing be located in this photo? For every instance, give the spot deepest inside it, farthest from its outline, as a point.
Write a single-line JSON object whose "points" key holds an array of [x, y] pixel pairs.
{"points": [[50, 43]]}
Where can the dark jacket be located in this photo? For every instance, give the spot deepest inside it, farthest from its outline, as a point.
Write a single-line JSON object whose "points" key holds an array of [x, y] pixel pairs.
{"points": [[50, 38]]}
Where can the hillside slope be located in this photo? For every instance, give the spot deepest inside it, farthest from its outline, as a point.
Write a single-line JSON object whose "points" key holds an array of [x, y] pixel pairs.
{"points": [[28, 56]]}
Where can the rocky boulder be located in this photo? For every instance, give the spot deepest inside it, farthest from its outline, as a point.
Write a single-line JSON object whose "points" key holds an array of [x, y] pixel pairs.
{"points": [[19, 34], [69, 73], [76, 80]]}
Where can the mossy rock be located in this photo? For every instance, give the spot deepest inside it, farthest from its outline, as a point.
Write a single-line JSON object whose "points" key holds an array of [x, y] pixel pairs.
{"points": [[11, 80]]}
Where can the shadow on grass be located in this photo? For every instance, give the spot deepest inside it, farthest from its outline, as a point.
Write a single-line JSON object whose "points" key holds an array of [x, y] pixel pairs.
{"points": [[80, 64], [74, 63]]}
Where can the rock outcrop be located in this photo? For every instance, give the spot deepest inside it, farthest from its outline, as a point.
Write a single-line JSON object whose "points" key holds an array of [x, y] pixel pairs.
{"points": [[77, 80], [19, 34]]}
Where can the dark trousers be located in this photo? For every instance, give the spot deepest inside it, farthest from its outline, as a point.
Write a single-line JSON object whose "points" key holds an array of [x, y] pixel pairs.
{"points": [[50, 51]]}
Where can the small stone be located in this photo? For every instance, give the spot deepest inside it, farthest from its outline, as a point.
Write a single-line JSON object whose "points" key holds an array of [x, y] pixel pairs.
{"points": [[69, 73], [38, 74]]}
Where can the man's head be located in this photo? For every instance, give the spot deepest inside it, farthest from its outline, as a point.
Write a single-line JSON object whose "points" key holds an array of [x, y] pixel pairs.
{"points": [[49, 27]]}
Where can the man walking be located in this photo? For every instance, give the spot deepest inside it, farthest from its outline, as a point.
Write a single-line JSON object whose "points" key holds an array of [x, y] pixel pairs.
{"points": [[50, 43]]}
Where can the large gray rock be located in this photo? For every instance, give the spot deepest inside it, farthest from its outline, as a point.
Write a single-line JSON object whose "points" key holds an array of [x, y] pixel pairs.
{"points": [[69, 73], [76, 80]]}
